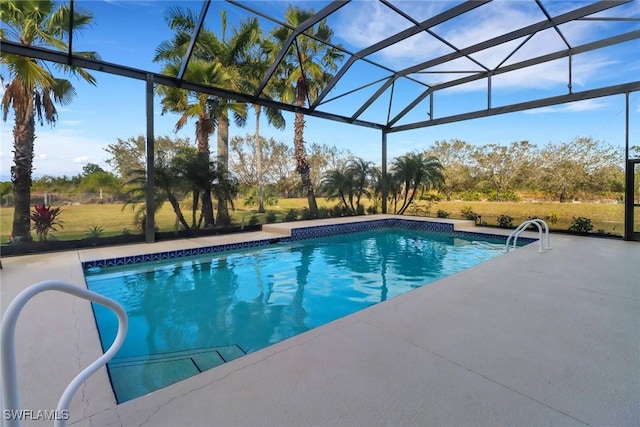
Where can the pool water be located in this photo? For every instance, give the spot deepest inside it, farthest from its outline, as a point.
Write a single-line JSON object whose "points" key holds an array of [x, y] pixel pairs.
{"points": [[188, 315]]}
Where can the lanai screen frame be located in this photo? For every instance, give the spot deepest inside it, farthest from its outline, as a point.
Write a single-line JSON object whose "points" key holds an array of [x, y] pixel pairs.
{"points": [[584, 13]]}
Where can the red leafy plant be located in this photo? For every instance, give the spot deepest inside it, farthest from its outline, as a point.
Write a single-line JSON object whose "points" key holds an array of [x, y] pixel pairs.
{"points": [[45, 219]]}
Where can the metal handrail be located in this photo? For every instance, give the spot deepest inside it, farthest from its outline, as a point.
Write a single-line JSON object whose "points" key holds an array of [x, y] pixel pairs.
{"points": [[7, 348], [539, 223]]}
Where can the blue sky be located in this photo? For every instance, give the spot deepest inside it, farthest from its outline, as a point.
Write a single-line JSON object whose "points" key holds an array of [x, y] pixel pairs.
{"points": [[128, 32]]}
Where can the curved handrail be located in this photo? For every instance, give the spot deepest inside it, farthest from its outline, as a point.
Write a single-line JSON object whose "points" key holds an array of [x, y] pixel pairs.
{"points": [[7, 347], [539, 223]]}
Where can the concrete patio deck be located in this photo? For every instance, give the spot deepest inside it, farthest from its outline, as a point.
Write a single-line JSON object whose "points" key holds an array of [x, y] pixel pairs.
{"points": [[524, 339]]}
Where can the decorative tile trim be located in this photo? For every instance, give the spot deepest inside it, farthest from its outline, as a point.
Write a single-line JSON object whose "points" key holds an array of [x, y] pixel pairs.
{"points": [[180, 253], [302, 233], [354, 227]]}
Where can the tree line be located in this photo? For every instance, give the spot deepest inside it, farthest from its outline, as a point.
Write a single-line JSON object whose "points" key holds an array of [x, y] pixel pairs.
{"points": [[559, 171]]}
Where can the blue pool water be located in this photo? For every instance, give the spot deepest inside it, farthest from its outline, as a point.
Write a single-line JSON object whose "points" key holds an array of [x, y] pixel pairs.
{"points": [[187, 315]]}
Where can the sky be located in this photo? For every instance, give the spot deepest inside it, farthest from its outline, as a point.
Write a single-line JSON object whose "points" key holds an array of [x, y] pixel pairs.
{"points": [[128, 32]]}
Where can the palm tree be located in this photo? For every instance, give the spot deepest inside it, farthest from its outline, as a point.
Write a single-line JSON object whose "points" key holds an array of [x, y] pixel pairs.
{"points": [[338, 183], [190, 105], [392, 183], [33, 90], [302, 74], [416, 171], [257, 63], [216, 62], [169, 186], [361, 171]]}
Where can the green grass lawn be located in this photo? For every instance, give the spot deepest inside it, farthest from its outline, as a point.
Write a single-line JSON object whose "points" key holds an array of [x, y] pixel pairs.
{"points": [[78, 219]]}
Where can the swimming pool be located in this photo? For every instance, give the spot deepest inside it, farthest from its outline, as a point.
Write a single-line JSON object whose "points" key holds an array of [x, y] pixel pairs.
{"points": [[191, 314]]}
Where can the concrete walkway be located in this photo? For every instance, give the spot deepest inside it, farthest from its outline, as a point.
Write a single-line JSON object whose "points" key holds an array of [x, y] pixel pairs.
{"points": [[523, 339]]}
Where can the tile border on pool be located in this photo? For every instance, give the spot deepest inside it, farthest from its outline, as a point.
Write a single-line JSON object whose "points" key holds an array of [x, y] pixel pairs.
{"points": [[300, 233], [179, 253]]}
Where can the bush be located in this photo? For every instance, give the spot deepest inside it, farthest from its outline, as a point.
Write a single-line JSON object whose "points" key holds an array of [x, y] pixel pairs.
{"points": [[468, 213], [254, 220], [432, 197], [471, 196], [552, 217], [292, 215], [505, 221], [507, 196], [270, 218], [323, 213], [337, 211], [372, 210], [306, 214], [581, 225], [45, 219], [95, 232], [359, 209], [442, 214]]}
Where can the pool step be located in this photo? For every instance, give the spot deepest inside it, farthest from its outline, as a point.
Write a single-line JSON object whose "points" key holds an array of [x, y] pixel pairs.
{"points": [[138, 375]]}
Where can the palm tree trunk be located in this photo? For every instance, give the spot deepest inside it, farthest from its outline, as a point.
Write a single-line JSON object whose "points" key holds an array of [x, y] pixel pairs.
{"points": [[176, 208], [261, 209], [24, 135], [407, 203], [194, 207], [222, 218], [202, 135], [302, 164]]}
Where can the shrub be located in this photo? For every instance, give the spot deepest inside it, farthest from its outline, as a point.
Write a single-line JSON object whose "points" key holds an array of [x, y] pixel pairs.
{"points": [[372, 210], [468, 213], [254, 220], [471, 196], [581, 225], [95, 232], [292, 215], [507, 196], [432, 197], [270, 218], [505, 221], [323, 213], [443, 214], [45, 219], [337, 211], [552, 217], [359, 209], [306, 214]]}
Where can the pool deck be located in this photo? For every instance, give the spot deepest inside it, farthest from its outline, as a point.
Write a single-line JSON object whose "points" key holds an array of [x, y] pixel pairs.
{"points": [[527, 338]]}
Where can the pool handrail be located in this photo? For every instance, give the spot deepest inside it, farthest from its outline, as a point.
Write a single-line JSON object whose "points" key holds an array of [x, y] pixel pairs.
{"points": [[543, 238], [7, 348]]}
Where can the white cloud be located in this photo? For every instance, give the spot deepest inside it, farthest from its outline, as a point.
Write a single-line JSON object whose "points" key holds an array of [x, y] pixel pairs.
{"points": [[573, 107], [80, 159]]}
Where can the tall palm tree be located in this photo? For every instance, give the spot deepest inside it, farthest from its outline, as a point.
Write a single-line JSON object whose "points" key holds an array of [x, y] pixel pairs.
{"points": [[256, 63], [215, 61], [33, 90], [415, 171], [195, 105], [302, 74]]}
